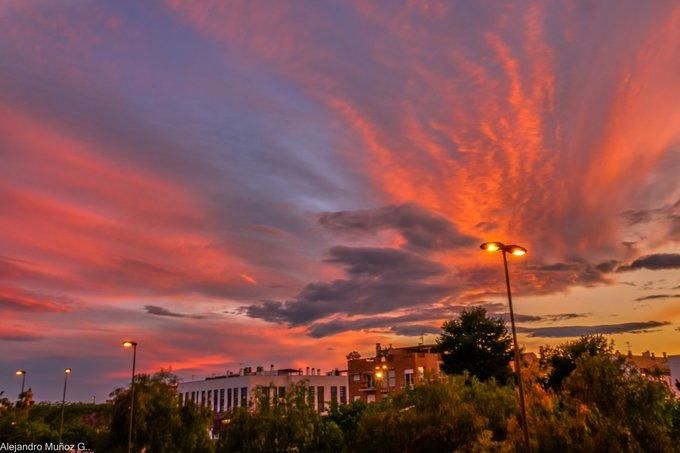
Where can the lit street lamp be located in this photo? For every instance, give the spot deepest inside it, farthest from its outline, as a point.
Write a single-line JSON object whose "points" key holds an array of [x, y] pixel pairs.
{"points": [[22, 373], [67, 371], [133, 345], [515, 250]]}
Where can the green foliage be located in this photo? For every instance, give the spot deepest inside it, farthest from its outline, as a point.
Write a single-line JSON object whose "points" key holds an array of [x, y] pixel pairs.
{"points": [[347, 416], [83, 422], [561, 360], [280, 425], [477, 344], [159, 423], [454, 414]]}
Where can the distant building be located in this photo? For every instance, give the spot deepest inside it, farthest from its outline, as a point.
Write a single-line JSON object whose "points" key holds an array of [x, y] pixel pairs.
{"points": [[392, 369], [674, 371], [224, 393], [653, 367]]}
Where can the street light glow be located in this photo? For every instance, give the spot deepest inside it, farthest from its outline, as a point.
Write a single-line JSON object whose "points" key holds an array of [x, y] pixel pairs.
{"points": [[516, 250], [67, 370], [20, 372], [491, 246], [129, 344], [378, 374]]}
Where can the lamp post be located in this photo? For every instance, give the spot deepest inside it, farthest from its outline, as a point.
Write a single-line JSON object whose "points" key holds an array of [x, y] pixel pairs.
{"points": [[67, 371], [133, 345], [22, 373], [515, 250]]}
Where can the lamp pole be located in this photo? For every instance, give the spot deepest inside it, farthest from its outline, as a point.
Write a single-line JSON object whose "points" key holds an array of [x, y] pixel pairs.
{"points": [[22, 373], [133, 345], [67, 371], [517, 251]]}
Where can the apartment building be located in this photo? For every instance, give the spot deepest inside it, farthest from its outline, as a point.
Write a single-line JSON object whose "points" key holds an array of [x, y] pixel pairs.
{"points": [[232, 390], [391, 369]]}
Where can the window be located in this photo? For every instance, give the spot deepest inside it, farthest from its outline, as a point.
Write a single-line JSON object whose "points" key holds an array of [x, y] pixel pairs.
{"points": [[391, 378], [356, 377], [221, 400], [228, 398], [343, 394], [209, 398], [193, 397], [202, 397], [244, 396], [235, 396], [320, 398], [370, 398], [369, 380], [357, 398], [282, 392], [215, 400], [310, 396], [334, 394], [181, 398], [408, 378], [421, 373]]}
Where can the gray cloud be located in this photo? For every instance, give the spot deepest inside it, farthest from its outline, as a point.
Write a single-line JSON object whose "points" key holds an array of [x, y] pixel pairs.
{"points": [[423, 229], [657, 296], [415, 330], [384, 262], [576, 331], [162, 311], [653, 262]]}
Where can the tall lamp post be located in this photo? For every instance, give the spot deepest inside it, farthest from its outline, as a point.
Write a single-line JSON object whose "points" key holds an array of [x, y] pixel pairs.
{"points": [[67, 371], [133, 345], [515, 250]]}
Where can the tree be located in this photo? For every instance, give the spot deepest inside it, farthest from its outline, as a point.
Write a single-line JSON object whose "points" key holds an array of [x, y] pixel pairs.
{"points": [[354, 355], [278, 424], [457, 414], [477, 344], [160, 424], [560, 361]]}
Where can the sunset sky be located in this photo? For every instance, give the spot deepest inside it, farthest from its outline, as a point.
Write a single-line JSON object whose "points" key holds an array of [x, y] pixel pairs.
{"points": [[251, 183]]}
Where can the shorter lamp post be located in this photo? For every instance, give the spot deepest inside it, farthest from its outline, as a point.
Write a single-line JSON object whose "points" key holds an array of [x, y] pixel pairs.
{"points": [[67, 371], [133, 345], [22, 373]]}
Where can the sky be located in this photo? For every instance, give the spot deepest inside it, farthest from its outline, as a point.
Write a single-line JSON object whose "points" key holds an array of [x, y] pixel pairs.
{"points": [[249, 183]]}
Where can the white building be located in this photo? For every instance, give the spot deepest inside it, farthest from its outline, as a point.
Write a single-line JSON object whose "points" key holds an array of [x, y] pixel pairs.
{"points": [[224, 393], [674, 367]]}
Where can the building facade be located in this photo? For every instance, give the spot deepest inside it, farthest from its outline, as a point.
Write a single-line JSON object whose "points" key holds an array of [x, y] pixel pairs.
{"points": [[225, 393], [391, 369]]}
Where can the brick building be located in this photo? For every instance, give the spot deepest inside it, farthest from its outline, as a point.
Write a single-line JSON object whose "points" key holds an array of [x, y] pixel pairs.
{"points": [[372, 378]]}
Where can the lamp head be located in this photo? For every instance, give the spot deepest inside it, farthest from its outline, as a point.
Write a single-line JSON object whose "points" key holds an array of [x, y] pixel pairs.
{"points": [[491, 246], [129, 344], [378, 374], [516, 250], [20, 372], [67, 371]]}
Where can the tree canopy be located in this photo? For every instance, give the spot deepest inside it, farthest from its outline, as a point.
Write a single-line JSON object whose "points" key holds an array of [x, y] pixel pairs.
{"points": [[477, 344]]}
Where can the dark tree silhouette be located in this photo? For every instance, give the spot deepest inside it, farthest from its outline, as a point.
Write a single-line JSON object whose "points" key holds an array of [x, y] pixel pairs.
{"points": [[477, 344]]}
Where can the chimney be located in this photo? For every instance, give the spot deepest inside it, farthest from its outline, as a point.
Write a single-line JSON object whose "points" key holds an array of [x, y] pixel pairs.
{"points": [[271, 367], [630, 353], [664, 355], [653, 355], [312, 371], [377, 352], [307, 371], [318, 371]]}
